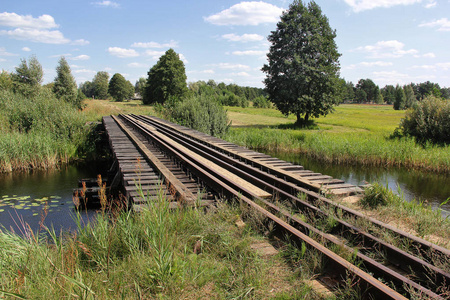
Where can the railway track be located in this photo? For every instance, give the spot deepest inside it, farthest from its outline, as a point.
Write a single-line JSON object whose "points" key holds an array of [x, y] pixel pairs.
{"points": [[293, 200]]}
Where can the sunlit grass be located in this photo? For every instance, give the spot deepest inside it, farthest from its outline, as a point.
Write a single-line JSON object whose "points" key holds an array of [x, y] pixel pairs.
{"points": [[353, 134], [96, 109]]}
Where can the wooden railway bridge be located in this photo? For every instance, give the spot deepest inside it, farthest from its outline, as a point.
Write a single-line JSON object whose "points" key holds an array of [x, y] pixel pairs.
{"points": [[154, 158]]}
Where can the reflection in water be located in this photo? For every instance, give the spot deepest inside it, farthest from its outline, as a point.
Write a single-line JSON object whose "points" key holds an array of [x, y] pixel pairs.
{"points": [[29, 197], [434, 188]]}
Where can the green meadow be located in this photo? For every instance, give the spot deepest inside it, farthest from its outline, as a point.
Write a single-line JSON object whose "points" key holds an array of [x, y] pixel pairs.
{"points": [[352, 134]]}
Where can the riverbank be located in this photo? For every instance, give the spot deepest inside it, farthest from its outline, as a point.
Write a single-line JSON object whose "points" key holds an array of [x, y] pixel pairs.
{"points": [[353, 134]]}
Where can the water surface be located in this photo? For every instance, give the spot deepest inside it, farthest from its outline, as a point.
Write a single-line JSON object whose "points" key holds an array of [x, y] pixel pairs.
{"points": [[42, 197], [422, 186]]}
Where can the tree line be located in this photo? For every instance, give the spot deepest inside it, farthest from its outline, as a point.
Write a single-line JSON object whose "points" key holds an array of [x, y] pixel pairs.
{"points": [[401, 97]]}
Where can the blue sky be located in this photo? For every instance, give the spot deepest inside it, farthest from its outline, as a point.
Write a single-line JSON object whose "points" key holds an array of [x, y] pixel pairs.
{"points": [[388, 41]]}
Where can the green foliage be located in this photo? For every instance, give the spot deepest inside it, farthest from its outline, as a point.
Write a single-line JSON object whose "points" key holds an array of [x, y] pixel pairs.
{"points": [[28, 77], [139, 86], [6, 82], [65, 87], [410, 98], [400, 98], [166, 80], [199, 113], [88, 89], [120, 88], [376, 195], [261, 102], [38, 131], [428, 121], [302, 73], [100, 85], [228, 95]]}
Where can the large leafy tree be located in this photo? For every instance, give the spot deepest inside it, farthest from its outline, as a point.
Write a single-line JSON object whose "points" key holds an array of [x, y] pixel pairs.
{"points": [[119, 88], [65, 86], [101, 83], [303, 63], [166, 80], [28, 76]]}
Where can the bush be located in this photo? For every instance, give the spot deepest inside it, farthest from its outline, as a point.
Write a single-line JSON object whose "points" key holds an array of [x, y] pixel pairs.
{"points": [[429, 120], [199, 113], [261, 102]]}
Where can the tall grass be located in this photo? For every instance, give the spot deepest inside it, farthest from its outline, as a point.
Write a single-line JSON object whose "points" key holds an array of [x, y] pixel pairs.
{"points": [[158, 253], [38, 131], [351, 135]]}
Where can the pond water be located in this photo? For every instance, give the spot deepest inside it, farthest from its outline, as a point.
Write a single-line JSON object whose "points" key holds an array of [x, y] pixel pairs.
{"points": [[33, 197], [25, 198], [434, 188]]}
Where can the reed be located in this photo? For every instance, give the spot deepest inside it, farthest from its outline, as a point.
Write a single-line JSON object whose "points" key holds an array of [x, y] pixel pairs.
{"points": [[157, 253], [351, 135], [39, 131]]}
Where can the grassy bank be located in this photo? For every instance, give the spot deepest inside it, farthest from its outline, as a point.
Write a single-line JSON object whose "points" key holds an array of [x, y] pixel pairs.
{"points": [[353, 134], [38, 131], [154, 254]]}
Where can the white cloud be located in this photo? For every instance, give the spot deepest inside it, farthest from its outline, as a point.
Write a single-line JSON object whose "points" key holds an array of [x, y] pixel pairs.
{"points": [[391, 77], [229, 66], [183, 58], [137, 65], [441, 24], [107, 4], [429, 55], [26, 49], [81, 42], [431, 4], [361, 5], [249, 52], [171, 44], [247, 13], [36, 35], [369, 64], [121, 52], [154, 54], [240, 74], [243, 38], [2, 59], [3, 52], [15, 20], [209, 71], [435, 67], [81, 57], [386, 49], [84, 71]]}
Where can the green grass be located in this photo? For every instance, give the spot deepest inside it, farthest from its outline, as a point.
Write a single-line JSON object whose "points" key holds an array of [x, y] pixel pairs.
{"points": [[38, 131], [353, 134], [148, 255]]}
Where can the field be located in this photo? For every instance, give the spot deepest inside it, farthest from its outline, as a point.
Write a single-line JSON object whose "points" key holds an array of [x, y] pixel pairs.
{"points": [[353, 134]]}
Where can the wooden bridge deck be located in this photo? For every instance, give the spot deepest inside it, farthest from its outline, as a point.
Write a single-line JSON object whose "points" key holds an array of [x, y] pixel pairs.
{"points": [[144, 171]]}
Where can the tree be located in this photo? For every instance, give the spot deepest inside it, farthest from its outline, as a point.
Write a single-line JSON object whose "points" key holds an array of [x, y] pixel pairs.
{"points": [[6, 82], [166, 79], [139, 87], [303, 63], [101, 83], [119, 88], [65, 87], [369, 87], [400, 98], [88, 89], [28, 76], [410, 98], [388, 93]]}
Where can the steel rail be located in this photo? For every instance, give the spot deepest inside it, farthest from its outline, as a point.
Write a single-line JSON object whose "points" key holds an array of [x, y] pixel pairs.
{"points": [[371, 286], [394, 255], [423, 245]]}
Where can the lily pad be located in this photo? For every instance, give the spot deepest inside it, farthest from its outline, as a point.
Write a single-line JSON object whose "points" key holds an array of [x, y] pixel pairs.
{"points": [[55, 197], [35, 214], [2, 210]]}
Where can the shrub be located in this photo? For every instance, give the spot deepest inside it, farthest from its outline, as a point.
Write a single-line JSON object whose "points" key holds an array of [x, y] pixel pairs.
{"points": [[429, 120], [261, 102], [199, 113]]}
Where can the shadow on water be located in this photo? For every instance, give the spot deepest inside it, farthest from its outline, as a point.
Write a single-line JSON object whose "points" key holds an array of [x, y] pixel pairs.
{"points": [[422, 186], [30, 197]]}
